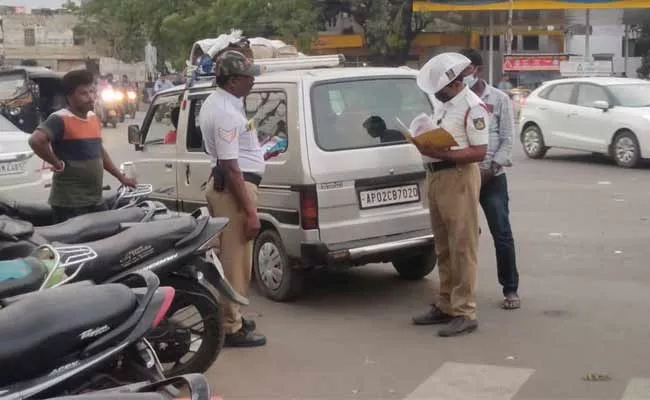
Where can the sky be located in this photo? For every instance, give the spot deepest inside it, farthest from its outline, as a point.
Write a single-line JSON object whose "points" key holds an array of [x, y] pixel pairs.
{"points": [[33, 3]]}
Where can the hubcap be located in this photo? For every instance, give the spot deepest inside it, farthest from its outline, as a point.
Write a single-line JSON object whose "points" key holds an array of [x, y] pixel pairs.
{"points": [[270, 265], [625, 150], [532, 141]]}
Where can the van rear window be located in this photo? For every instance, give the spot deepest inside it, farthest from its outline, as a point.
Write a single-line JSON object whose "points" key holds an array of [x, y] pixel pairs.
{"points": [[363, 113]]}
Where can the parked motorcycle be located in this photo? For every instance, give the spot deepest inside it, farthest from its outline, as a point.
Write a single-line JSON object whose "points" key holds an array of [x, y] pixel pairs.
{"points": [[40, 213], [196, 385], [181, 251], [80, 337]]}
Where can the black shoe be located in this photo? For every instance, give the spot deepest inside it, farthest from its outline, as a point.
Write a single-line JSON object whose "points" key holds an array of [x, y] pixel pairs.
{"points": [[248, 324], [458, 326], [244, 338], [432, 317]]}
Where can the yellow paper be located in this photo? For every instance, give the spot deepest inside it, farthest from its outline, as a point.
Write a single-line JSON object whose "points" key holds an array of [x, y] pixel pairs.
{"points": [[437, 139]]}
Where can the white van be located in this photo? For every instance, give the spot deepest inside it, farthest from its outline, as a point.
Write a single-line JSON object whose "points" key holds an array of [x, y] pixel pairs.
{"points": [[338, 196]]}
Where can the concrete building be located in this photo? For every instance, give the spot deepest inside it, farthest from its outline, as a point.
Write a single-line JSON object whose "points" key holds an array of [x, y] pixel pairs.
{"points": [[44, 35]]}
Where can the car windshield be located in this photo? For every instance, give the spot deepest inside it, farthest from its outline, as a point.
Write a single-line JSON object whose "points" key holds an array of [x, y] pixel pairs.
{"points": [[632, 95], [6, 125], [363, 113]]}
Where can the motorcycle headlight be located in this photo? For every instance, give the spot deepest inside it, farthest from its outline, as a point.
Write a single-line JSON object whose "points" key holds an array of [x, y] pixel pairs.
{"points": [[108, 95], [131, 95]]}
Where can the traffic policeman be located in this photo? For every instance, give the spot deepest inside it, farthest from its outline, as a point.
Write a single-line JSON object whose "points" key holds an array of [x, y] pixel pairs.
{"points": [[237, 168], [453, 187]]}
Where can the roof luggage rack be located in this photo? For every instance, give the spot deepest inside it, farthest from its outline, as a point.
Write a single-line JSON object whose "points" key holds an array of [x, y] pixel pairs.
{"points": [[204, 72]]}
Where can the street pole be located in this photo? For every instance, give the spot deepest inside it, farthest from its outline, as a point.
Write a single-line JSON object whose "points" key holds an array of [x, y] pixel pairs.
{"points": [[491, 49], [626, 48], [509, 34], [587, 34]]}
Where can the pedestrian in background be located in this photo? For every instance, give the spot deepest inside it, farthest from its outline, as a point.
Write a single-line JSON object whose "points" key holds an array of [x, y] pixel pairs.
{"points": [[453, 187], [494, 185]]}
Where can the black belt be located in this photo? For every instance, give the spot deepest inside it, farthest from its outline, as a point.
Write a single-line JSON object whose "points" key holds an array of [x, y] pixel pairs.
{"points": [[252, 178], [440, 165]]}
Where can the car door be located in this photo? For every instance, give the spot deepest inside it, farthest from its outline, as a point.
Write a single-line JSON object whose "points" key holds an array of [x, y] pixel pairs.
{"points": [[193, 162], [156, 163], [556, 110], [590, 126]]}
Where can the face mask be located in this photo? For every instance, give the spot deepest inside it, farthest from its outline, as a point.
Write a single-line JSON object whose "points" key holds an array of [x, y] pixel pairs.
{"points": [[470, 80], [442, 97]]}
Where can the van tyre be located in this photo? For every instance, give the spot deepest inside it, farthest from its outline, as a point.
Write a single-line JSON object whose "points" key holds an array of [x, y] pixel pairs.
{"points": [[274, 274], [170, 338], [415, 267]]}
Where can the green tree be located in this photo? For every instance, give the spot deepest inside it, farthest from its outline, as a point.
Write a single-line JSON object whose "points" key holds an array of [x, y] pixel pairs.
{"points": [[390, 26]]}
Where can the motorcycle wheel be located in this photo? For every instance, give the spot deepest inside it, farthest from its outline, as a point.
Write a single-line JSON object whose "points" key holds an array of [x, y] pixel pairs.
{"points": [[173, 340]]}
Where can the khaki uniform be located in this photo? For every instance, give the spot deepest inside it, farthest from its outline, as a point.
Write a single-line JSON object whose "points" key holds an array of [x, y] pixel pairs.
{"points": [[236, 253], [453, 193]]}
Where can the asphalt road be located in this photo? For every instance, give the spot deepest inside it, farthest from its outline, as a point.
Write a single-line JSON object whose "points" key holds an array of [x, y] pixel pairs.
{"points": [[581, 227]]}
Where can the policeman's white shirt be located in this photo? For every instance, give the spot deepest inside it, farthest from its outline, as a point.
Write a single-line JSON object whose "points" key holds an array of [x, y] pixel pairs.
{"points": [[227, 133], [466, 118]]}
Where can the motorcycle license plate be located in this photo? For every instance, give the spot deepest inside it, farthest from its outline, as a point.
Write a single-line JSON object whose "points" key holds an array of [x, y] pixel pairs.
{"points": [[112, 113]]}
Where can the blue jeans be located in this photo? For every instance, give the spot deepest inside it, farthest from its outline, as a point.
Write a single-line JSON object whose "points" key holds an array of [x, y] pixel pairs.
{"points": [[494, 201]]}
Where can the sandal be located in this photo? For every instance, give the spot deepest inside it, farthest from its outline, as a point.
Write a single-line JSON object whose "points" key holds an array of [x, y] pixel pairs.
{"points": [[511, 302]]}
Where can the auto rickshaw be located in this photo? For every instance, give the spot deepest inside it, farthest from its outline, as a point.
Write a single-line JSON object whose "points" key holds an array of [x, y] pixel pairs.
{"points": [[28, 95]]}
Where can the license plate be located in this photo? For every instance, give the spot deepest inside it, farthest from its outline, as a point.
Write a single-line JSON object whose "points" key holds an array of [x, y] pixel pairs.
{"points": [[389, 196], [12, 167]]}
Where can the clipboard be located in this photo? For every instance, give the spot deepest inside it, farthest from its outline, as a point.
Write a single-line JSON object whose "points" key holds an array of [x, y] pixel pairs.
{"points": [[438, 138]]}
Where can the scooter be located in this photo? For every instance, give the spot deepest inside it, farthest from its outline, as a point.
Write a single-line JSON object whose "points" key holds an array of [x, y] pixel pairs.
{"points": [[40, 213], [109, 107], [181, 251], [80, 337]]}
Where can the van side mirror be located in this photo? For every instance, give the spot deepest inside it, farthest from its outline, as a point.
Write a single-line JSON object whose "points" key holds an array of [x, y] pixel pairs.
{"points": [[135, 138], [601, 105]]}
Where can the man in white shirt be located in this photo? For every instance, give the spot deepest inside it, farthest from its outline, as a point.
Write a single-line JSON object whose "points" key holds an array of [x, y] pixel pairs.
{"points": [[453, 187], [494, 185], [237, 169]]}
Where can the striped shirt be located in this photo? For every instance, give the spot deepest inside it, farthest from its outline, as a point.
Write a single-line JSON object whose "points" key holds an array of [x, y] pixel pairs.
{"points": [[78, 142], [502, 128]]}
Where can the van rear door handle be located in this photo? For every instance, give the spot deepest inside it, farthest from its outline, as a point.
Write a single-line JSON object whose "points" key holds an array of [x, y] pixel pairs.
{"points": [[542, 108], [168, 165], [573, 114], [187, 174]]}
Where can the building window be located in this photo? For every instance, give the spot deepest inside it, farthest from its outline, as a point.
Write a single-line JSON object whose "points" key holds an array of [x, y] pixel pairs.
{"points": [[78, 36], [30, 37], [530, 43], [485, 42]]}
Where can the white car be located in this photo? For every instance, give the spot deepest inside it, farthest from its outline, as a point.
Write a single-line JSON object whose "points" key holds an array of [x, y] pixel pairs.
{"points": [[20, 169], [602, 115]]}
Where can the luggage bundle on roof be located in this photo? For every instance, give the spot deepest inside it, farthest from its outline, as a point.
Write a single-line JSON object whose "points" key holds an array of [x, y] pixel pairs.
{"points": [[271, 55]]}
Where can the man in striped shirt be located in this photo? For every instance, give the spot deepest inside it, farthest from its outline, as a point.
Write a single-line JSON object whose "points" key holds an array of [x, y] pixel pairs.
{"points": [[494, 188]]}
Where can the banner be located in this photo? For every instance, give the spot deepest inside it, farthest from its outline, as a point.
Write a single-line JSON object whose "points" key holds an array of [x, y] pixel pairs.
{"points": [[504, 5]]}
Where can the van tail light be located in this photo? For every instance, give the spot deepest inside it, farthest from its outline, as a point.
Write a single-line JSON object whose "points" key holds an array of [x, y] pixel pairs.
{"points": [[309, 209]]}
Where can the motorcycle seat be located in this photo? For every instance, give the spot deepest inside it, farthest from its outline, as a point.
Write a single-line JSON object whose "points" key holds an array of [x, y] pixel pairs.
{"points": [[38, 213], [114, 396], [90, 227], [132, 246], [21, 275], [38, 332]]}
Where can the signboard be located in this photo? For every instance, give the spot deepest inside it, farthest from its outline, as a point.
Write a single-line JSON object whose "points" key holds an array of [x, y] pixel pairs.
{"points": [[521, 63], [589, 68], [505, 5]]}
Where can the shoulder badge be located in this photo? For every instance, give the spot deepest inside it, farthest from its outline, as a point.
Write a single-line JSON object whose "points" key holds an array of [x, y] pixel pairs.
{"points": [[479, 123]]}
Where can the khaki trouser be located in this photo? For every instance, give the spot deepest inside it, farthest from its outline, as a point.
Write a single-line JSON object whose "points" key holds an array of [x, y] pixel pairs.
{"points": [[236, 253], [453, 202]]}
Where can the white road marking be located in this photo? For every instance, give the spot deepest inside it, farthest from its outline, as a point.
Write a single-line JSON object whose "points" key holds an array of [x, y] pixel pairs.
{"points": [[454, 381], [637, 389]]}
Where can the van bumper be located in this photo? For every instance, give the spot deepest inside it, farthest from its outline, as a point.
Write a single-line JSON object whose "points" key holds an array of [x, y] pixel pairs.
{"points": [[359, 252]]}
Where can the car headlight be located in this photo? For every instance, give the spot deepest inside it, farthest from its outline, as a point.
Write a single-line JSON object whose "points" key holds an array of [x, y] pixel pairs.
{"points": [[131, 95]]}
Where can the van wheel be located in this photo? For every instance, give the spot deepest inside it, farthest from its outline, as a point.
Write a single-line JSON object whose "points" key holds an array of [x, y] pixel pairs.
{"points": [[415, 267], [274, 274]]}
